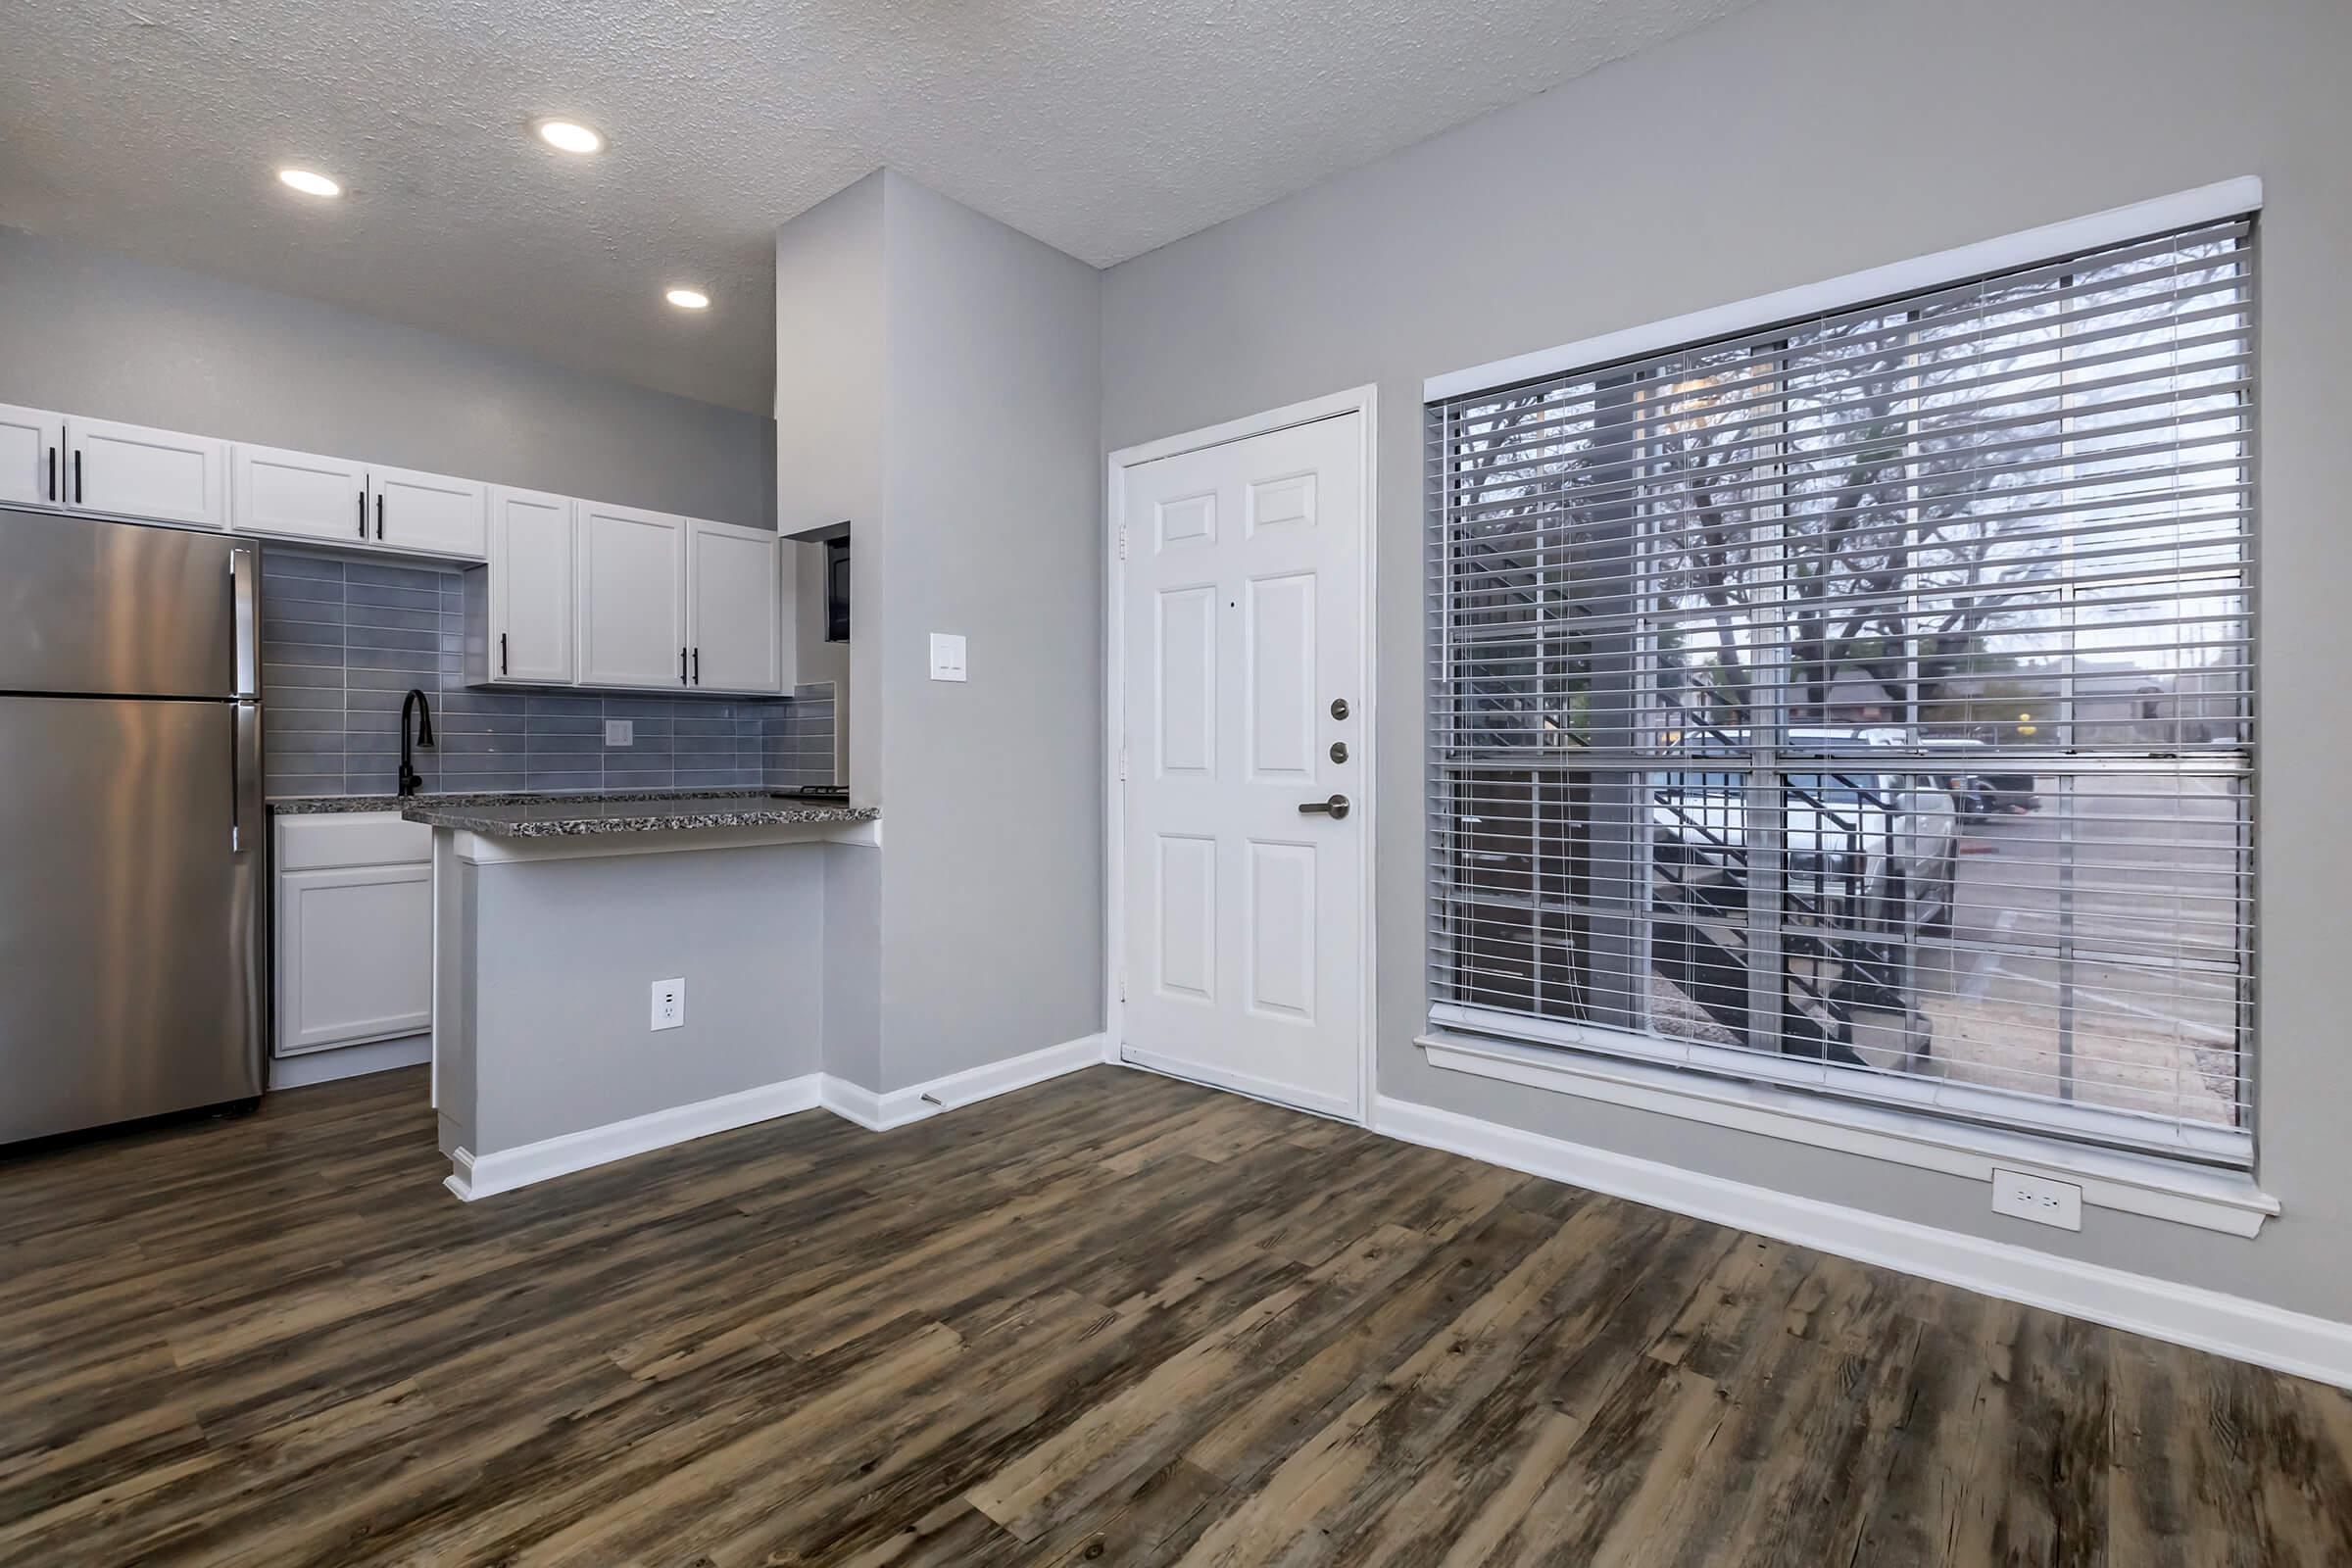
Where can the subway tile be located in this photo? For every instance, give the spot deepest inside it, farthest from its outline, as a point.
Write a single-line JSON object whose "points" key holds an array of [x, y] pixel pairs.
{"points": [[541, 744], [564, 724], [565, 707], [637, 778], [386, 617], [355, 636], [459, 743], [425, 601], [507, 704], [279, 561], [375, 574]]}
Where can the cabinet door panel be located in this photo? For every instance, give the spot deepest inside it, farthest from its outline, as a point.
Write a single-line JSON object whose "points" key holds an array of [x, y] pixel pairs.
{"points": [[731, 615], [134, 471], [532, 610], [429, 513], [633, 567], [296, 494], [355, 956], [31, 455]]}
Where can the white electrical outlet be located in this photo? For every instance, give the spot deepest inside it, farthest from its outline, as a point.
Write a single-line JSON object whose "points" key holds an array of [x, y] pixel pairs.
{"points": [[620, 732], [669, 1004], [947, 656], [2042, 1200]]}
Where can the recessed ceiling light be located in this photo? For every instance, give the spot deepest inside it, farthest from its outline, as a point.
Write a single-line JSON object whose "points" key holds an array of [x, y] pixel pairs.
{"points": [[688, 298], [309, 183], [569, 136]]}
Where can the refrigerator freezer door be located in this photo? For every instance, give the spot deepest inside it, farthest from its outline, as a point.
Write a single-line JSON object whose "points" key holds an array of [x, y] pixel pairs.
{"points": [[119, 609], [130, 951]]}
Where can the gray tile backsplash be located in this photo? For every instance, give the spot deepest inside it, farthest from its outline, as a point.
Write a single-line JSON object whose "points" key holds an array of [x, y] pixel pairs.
{"points": [[342, 642]]}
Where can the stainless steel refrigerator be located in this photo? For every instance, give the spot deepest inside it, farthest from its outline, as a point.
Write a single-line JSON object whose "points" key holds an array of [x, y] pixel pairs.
{"points": [[131, 831]]}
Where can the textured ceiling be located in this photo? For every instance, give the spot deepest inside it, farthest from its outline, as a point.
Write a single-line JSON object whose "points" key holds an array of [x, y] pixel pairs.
{"points": [[1106, 127]]}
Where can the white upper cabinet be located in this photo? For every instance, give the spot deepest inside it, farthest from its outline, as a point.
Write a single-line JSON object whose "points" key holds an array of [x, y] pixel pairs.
{"points": [[297, 495], [428, 514], [131, 471], [31, 455], [633, 599], [733, 632], [530, 590]]}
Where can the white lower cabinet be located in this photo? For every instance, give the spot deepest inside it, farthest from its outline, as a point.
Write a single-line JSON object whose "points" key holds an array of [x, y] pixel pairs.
{"points": [[355, 930]]}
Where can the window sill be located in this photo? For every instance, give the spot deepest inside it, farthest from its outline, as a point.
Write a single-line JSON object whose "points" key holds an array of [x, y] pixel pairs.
{"points": [[2184, 1194]]}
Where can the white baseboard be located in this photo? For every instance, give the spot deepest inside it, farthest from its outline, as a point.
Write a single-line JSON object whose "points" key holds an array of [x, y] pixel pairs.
{"points": [[2295, 1343], [899, 1106], [473, 1176], [349, 1061]]}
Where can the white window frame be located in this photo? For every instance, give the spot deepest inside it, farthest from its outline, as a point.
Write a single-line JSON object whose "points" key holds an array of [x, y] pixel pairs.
{"points": [[1675, 1077]]}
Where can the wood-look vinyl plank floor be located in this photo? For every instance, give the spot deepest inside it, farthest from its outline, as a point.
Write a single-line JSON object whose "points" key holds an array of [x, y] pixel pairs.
{"points": [[1111, 1319]]}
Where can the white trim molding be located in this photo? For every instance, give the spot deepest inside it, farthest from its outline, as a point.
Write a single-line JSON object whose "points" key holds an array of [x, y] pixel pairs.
{"points": [[2206, 204], [1364, 399], [2232, 1326], [880, 1112], [475, 1176], [2137, 1184]]}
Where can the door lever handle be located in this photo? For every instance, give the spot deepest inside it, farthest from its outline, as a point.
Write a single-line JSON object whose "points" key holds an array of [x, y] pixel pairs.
{"points": [[1335, 807]]}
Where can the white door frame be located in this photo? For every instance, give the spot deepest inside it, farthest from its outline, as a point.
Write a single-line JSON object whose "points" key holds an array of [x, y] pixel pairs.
{"points": [[1361, 400]]}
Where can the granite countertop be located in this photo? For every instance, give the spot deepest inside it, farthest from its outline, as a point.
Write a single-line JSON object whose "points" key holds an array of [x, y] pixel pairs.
{"points": [[316, 804], [574, 815]]}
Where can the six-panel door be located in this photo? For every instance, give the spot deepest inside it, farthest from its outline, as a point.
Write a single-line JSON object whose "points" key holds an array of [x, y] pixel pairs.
{"points": [[1243, 626]]}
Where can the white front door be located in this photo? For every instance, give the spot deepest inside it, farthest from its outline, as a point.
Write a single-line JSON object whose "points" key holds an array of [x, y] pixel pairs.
{"points": [[1244, 700]]}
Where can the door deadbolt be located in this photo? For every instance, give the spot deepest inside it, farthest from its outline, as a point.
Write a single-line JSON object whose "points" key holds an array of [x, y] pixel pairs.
{"points": [[1339, 751], [1339, 707]]}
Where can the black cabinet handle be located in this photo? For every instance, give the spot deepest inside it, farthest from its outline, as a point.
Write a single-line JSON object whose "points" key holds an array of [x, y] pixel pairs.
{"points": [[697, 667], [502, 653], [681, 667], [362, 514], [380, 514], [78, 477], [53, 473]]}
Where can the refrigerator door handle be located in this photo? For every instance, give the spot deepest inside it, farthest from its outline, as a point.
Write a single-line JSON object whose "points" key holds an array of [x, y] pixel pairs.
{"points": [[244, 773], [244, 588]]}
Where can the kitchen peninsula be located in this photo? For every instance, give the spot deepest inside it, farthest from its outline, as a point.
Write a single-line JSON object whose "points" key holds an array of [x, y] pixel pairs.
{"points": [[616, 973]]}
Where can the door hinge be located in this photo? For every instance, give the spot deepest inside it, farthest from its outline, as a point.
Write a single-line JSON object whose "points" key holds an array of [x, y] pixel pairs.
{"points": [[1123, 761], [1122, 541], [1122, 985]]}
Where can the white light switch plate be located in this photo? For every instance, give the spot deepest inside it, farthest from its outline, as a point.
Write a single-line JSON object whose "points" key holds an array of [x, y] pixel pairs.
{"points": [[2043, 1199], [947, 656], [669, 1004], [620, 732]]}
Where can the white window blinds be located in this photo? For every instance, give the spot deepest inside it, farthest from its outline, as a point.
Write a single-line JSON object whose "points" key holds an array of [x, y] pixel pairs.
{"points": [[1866, 702]]}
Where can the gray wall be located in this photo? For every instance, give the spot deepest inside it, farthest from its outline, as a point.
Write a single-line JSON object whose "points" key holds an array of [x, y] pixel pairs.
{"points": [[1798, 140], [992, 867], [90, 332], [830, 424], [939, 386], [558, 1028]]}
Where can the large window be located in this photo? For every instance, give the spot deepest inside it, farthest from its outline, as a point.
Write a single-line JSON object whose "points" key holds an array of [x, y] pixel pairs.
{"points": [[1865, 704]]}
